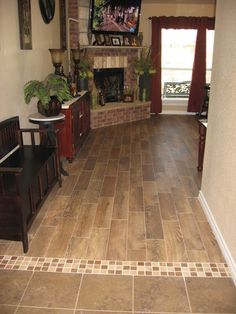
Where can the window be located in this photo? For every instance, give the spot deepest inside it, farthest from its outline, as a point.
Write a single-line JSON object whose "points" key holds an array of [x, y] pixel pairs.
{"points": [[178, 48]]}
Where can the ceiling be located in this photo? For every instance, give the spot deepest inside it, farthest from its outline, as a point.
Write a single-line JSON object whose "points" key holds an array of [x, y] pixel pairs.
{"points": [[181, 1]]}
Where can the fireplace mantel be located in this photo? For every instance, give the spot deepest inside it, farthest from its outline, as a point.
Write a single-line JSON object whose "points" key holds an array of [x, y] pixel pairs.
{"points": [[114, 47]]}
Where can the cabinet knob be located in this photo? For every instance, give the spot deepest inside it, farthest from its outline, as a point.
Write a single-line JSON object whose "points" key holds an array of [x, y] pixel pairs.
{"points": [[80, 134], [81, 115]]}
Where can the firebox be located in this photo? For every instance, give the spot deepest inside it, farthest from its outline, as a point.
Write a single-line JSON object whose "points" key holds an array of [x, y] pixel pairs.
{"points": [[111, 82]]}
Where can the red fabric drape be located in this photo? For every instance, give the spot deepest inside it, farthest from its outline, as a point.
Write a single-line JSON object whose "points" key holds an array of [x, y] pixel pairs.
{"points": [[200, 23], [198, 81], [156, 103]]}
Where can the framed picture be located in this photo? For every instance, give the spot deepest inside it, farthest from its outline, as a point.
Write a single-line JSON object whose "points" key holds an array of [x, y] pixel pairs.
{"points": [[99, 39], [134, 40], [24, 12], [107, 40], [115, 41], [126, 40]]}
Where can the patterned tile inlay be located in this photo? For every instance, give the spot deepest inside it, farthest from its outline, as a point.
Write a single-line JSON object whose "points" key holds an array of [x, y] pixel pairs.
{"points": [[136, 268]]}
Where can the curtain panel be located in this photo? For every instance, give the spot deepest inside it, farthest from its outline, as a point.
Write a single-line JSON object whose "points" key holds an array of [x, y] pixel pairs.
{"points": [[199, 66]]}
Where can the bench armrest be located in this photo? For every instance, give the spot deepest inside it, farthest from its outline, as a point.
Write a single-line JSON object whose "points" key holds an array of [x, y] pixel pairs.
{"points": [[10, 170], [48, 137]]}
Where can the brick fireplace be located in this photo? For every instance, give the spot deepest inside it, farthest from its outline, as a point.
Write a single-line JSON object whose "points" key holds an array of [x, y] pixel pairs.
{"points": [[102, 58]]}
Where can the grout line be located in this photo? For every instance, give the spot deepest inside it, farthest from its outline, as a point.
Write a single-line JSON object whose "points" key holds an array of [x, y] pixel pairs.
{"points": [[186, 289], [77, 298], [24, 292]]}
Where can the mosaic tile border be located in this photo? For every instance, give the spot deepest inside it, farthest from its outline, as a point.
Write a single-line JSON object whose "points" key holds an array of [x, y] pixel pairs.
{"points": [[105, 267]]}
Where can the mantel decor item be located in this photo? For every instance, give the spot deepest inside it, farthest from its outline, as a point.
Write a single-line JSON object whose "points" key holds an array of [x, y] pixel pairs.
{"points": [[50, 93], [144, 68], [115, 41], [24, 11], [57, 56], [47, 9], [85, 71]]}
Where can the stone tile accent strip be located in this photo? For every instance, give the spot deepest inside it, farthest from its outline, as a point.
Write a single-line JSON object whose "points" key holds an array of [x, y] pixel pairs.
{"points": [[106, 267]]}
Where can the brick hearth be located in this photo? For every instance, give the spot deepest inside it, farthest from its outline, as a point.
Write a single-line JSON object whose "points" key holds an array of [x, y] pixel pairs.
{"points": [[117, 113]]}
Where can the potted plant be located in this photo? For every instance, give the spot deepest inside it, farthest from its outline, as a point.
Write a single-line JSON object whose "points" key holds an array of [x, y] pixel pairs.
{"points": [[85, 72], [143, 67], [50, 93]]}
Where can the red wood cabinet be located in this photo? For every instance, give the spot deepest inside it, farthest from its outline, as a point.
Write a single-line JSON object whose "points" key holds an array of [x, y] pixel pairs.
{"points": [[75, 128]]}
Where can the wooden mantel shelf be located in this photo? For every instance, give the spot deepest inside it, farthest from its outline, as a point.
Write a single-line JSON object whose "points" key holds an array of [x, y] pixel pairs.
{"points": [[113, 47]]}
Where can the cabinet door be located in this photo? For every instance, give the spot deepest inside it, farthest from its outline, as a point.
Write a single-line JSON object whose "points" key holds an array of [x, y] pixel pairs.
{"points": [[76, 126]]}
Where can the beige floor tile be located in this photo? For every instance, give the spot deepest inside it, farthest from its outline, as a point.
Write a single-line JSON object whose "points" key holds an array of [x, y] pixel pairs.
{"points": [[210, 242], [97, 245], [52, 290], [7, 309], [32, 310], [83, 180], [13, 284], [85, 220], [153, 223], [93, 191], [136, 199], [175, 248], [167, 206], [124, 164], [136, 231], [112, 167], [68, 185], [61, 237], [121, 205], [136, 255], [55, 209], [156, 250], [77, 247], [197, 209], [160, 294], [190, 232], [111, 293], [104, 212], [40, 243], [197, 256], [108, 187], [117, 240], [123, 181], [90, 163], [181, 201], [211, 295], [150, 193]]}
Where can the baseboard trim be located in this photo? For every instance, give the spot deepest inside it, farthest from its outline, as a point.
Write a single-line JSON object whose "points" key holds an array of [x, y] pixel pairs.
{"points": [[222, 244], [177, 112]]}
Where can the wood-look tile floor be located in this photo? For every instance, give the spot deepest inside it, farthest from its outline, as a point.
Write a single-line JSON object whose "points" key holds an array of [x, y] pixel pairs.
{"points": [[131, 194]]}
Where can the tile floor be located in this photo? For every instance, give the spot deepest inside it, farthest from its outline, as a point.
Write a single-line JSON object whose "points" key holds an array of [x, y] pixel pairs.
{"points": [[125, 233]]}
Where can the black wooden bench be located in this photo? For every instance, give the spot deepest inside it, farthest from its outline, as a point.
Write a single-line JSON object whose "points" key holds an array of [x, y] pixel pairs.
{"points": [[27, 175]]}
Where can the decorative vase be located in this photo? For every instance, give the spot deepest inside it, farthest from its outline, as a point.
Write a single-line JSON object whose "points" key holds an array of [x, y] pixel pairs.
{"points": [[82, 84], [53, 109], [145, 87]]}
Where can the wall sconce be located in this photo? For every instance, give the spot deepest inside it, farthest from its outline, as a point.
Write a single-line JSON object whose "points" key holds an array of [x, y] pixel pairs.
{"points": [[57, 56]]}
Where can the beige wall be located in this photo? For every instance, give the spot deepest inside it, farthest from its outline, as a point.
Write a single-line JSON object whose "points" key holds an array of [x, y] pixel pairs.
{"points": [[19, 66], [219, 175], [159, 9]]}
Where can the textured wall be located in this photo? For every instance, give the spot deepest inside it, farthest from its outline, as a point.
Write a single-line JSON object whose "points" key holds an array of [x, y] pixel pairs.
{"points": [[19, 66], [219, 175]]}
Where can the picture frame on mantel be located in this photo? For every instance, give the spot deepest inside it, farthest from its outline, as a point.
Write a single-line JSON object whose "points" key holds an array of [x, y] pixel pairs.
{"points": [[25, 26]]}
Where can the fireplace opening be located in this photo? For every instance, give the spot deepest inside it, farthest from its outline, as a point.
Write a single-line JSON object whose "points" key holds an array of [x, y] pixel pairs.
{"points": [[111, 82]]}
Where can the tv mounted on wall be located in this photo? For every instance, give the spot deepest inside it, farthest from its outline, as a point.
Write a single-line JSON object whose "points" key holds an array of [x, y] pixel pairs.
{"points": [[115, 16]]}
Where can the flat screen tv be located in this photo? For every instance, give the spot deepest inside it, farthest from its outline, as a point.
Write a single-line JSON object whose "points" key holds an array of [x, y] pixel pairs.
{"points": [[115, 16]]}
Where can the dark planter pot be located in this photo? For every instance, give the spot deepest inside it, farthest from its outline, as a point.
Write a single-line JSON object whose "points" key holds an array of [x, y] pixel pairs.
{"points": [[53, 109], [145, 87], [82, 84]]}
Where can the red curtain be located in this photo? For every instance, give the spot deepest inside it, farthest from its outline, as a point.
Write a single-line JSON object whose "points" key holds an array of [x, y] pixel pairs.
{"points": [[199, 68]]}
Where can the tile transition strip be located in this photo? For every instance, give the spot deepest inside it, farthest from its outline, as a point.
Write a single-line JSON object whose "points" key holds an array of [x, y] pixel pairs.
{"points": [[111, 267]]}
